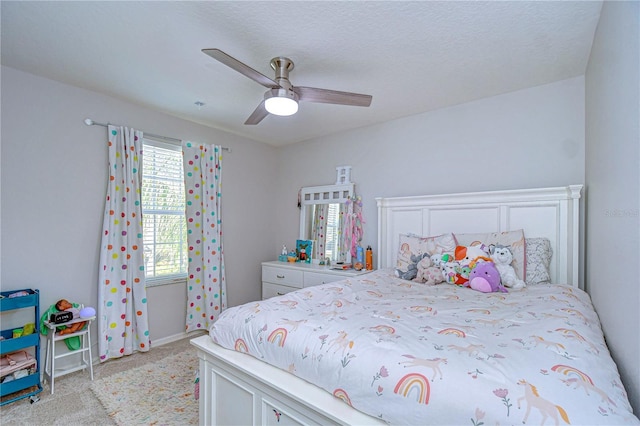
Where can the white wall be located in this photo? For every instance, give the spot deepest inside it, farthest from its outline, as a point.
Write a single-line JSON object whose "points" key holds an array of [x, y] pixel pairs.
{"points": [[53, 188], [525, 139], [613, 184]]}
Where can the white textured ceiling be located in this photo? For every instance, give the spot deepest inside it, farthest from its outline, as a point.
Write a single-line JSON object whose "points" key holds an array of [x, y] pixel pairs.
{"points": [[412, 57]]}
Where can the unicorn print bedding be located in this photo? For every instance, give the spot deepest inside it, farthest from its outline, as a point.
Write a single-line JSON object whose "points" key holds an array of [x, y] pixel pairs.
{"points": [[408, 353]]}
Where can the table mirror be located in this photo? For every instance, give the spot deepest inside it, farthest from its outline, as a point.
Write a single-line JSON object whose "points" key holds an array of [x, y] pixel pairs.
{"points": [[322, 216]]}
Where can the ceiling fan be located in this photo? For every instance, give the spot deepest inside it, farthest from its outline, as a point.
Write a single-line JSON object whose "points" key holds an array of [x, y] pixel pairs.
{"points": [[282, 97]]}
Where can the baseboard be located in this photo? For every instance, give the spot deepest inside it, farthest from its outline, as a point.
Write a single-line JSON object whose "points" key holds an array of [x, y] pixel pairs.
{"points": [[175, 337], [155, 342], [94, 349]]}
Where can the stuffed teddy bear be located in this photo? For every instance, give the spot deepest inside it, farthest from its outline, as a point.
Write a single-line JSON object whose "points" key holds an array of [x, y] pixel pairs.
{"points": [[485, 278], [428, 273], [502, 257]]}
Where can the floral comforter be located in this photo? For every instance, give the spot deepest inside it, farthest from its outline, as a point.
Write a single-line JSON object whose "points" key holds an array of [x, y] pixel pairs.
{"points": [[414, 354]]}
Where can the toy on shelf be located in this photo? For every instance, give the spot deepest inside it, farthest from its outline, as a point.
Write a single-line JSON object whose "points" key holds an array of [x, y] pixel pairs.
{"points": [[75, 311], [65, 305], [283, 254]]}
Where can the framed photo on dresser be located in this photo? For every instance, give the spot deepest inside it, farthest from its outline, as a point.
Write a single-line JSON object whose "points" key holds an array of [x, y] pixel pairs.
{"points": [[304, 250]]}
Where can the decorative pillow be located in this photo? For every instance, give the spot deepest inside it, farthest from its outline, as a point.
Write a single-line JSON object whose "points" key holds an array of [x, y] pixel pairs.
{"points": [[539, 253], [412, 248], [514, 239]]}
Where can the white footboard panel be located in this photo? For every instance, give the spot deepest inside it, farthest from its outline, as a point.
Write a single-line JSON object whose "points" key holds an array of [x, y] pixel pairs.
{"points": [[237, 389]]}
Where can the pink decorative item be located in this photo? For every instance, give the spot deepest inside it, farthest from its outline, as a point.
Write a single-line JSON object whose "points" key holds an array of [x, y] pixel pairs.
{"points": [[353, 225]]}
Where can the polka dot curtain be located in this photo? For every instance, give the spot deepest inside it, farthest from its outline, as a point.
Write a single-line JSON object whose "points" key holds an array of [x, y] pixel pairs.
{"points": [[122, 299], [319, 230], [206, 286]]}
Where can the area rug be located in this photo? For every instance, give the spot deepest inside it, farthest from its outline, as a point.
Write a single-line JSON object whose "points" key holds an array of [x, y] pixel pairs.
{"points": [[158, 393]]}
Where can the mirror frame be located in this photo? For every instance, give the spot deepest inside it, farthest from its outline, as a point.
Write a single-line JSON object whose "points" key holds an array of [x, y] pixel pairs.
{"points": [[325, 194]]}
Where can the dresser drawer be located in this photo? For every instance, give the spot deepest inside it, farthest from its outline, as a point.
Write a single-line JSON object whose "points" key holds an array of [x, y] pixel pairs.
{"points": [[272, 290], [316, 278], [284, 276]]}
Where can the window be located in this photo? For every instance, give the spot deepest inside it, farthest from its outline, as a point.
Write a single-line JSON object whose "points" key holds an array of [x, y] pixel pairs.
{"points": [[332, 248], [163, 213]]}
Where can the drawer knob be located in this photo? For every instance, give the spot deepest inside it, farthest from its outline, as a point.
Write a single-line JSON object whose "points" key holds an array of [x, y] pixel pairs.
{"points": [[280, 276]]}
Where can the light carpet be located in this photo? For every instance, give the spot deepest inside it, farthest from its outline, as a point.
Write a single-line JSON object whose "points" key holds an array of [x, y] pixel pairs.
{"points": [[161, 392]]}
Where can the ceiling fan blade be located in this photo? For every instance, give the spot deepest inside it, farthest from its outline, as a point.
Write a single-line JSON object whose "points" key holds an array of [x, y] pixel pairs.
{"points": [[257, 115], [243, 69], [312, 94]]}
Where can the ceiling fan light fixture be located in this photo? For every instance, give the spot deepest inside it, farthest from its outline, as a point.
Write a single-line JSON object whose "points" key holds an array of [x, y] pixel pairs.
{"points": [[281, 102]]}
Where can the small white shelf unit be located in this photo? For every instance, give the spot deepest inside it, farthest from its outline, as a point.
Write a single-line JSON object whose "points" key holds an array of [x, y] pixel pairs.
{"points": [[50, 371]]}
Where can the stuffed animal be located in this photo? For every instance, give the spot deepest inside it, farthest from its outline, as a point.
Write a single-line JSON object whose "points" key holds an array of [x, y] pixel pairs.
{"points": [[448, 270], [412, 269], [436, 260], [446, 257], [485, 278], [422, 267], [462, 274], [433, 276], [428, 273], [502, 257], [467, 257]]}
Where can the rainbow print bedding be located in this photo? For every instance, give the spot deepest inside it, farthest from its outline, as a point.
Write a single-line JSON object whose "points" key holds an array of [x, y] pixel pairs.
{"points": [[414, 354]]}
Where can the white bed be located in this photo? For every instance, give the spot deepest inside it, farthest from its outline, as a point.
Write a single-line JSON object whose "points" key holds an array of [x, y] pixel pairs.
{"points": [[237, 388]]}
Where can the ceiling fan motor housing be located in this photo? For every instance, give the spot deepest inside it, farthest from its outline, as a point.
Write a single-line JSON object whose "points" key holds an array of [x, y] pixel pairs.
{"points": [[282, 66], [281, 93]]}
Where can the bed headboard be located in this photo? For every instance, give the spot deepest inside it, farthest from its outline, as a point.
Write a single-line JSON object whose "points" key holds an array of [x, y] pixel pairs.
{"points": [[543, 212]]}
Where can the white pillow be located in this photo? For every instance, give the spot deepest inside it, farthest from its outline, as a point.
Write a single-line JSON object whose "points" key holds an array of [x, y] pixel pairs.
{"points": [[413, 246]]}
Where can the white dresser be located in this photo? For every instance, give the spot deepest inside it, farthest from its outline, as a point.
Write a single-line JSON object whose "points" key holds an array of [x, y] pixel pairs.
{"points": [[282, 277]]}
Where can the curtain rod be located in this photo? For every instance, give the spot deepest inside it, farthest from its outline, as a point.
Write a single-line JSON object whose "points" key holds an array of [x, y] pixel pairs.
{"points": [[90, 122]]}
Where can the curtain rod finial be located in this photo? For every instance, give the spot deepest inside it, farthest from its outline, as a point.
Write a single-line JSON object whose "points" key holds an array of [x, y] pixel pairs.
{"points": [[88, 121]]}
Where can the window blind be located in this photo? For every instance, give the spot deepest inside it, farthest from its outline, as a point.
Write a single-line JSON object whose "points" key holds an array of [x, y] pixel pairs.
{"points": [[163, 211]]}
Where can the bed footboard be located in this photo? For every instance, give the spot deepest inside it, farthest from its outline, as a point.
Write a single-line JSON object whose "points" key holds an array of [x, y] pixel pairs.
{"points": [[237, 389]]}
